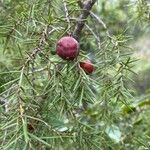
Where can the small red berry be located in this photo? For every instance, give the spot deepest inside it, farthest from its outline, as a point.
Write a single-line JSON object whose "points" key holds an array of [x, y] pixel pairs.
{"points": [[87, 66], [67, 48]]}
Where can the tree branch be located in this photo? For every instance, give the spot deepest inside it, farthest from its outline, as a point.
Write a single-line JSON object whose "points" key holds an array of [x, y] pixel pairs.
{"points": [[87, 6]]}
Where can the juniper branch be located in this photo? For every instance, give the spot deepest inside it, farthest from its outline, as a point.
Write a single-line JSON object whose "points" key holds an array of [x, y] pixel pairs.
{"points": [[87, 6]]}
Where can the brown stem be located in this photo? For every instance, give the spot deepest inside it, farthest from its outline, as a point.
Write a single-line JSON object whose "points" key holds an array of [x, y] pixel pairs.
{"points": [[87, 6]]}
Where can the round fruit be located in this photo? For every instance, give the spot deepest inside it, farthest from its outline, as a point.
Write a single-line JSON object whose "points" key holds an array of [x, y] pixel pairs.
{"points": [[67, 48], [87, 66]]}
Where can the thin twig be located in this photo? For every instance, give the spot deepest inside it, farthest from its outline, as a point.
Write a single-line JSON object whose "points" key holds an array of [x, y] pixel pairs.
{"points": [[98, 19], [67, 14], [87, 6], [96, 37], [42, 41]]}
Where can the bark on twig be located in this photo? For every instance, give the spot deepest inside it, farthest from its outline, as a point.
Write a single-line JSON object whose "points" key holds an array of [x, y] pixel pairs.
{"points": [[86, 7]]}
